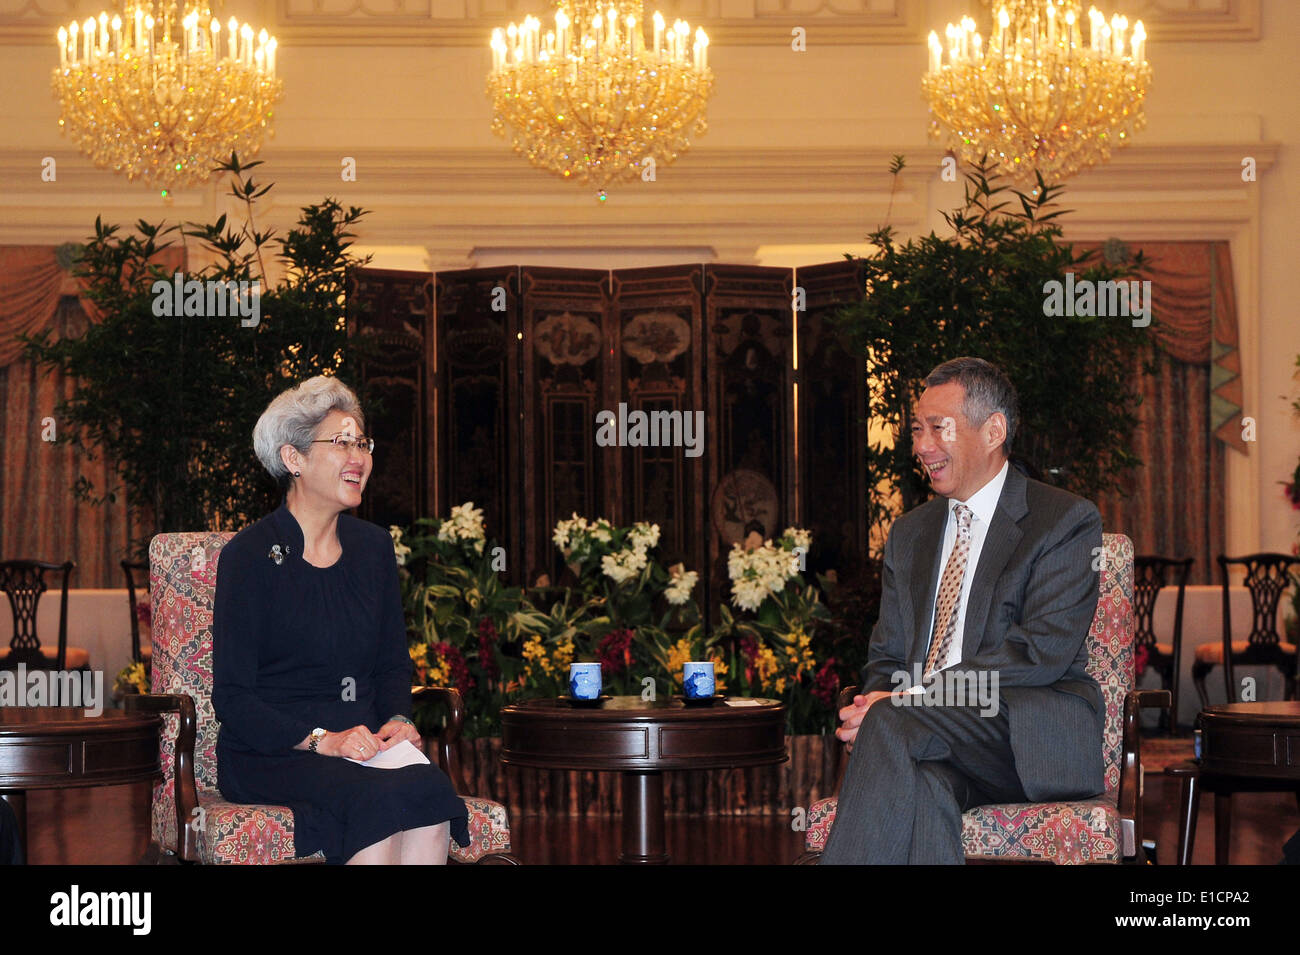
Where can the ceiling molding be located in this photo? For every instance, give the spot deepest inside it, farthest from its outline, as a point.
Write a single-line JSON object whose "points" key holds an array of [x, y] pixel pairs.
{"points": [[461, 199], [469, 23]]}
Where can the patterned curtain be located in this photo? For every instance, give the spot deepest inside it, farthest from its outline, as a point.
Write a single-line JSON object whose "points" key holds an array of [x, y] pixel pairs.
{"points": [[39, 515], [1190, 414]]}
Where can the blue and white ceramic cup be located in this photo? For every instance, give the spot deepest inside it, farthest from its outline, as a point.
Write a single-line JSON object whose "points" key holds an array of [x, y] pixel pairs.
{"points": [[697, 678], [584, 681]]}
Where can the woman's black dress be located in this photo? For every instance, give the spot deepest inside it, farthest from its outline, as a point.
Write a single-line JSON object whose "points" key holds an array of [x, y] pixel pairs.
{"points": [[295, 647]]}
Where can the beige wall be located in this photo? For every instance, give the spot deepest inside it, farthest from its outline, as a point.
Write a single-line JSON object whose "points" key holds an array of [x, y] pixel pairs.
{"points": [[792, 170]]}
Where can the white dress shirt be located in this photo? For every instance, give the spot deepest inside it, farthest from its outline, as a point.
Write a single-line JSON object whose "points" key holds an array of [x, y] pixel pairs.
{"points": [[983, 504]]}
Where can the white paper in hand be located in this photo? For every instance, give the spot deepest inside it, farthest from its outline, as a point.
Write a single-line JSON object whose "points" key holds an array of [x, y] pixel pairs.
{"points": [[395, 757]]}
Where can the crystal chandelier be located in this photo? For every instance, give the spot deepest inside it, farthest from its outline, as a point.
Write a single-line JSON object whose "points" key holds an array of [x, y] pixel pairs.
{"points": [[150, 94], [1047, 93], [592, 100]]}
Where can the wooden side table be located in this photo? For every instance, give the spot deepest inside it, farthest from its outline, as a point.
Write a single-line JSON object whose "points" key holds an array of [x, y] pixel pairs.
{"points": [[59, 747], [642, 740], [1245, 747]]}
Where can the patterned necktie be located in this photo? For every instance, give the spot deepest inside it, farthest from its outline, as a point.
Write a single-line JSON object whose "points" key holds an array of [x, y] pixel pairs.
{"points": [[945, 612]]}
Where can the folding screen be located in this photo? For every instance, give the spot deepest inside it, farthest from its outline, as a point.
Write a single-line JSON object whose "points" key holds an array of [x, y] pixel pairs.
{"points": [[473, 413], [397, 308], [520, 364]]}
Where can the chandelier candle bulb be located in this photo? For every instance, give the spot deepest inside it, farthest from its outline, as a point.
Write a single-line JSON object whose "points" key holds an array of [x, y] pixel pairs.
{"points": [[1037, 97]]}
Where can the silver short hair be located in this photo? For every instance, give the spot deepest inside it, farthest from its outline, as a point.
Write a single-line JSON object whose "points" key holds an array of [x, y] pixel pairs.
{"points": [[293, 416]]}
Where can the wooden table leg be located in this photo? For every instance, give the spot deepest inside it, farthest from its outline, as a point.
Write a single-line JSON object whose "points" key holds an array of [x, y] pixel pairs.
{"points": [[17, 800], [1222, 826], [643, 819]]}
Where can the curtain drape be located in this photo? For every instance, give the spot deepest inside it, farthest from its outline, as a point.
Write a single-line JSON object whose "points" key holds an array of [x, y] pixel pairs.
{"points": [[1190, 415], [40, 516]]}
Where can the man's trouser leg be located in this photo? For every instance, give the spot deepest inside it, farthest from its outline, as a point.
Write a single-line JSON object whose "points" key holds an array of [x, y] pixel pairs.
{"points": [[912, 772]]}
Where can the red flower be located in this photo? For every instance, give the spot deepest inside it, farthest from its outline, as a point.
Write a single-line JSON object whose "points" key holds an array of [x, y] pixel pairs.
{"points": [[748, 648], [1292, 493], [1140, 656], [457, 669], [826, 684], [487, 641], [615, 650]]}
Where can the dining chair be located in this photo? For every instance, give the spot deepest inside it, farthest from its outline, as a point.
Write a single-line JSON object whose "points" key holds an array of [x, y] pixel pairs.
{"points": [[131, 568], [1150, 576], [23, 582], [1104, 828], [1267, 578]]}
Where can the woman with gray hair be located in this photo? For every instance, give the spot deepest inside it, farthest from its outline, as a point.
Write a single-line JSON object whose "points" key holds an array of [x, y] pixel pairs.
{"points": [[312, 677]]}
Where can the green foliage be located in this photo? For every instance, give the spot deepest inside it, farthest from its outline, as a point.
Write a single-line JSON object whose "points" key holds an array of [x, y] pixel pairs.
{"points": [[465, 627], [979, 291], [172, 400]]}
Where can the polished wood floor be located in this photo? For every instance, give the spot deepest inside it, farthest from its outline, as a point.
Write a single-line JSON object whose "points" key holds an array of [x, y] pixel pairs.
{"points": [[110, 826]]}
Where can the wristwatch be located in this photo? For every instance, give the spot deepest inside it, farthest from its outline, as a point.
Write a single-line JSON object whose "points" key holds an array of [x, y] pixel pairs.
{"points": [[317, 735]]}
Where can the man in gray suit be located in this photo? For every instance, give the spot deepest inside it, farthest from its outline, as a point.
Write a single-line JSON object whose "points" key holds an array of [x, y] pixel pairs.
{"points": [[992, 580]]}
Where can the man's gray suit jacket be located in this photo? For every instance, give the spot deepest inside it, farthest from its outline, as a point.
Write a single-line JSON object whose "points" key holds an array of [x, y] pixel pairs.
{"points": [[1030, 608]]}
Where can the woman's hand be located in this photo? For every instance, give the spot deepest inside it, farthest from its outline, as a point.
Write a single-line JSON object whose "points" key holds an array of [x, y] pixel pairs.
{"points": [[356, 743], [394, 731]]}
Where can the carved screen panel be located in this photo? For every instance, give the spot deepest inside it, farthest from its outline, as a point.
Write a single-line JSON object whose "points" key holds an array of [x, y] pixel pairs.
{"points": [[832, 422], [751, 465], [658, 324], [566, 380], [392, 314], [475, 412]]}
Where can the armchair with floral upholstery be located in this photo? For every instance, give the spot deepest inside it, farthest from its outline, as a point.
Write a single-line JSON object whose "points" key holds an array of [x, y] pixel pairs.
{"points": [[1104, 829], [191, 820]]}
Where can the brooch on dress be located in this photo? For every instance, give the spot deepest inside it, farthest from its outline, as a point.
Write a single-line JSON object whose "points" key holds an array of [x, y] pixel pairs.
{"points": [[278, 554]]}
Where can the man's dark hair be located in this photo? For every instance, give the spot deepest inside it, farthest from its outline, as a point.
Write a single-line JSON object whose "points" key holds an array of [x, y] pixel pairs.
{"points": [[987, 390]]}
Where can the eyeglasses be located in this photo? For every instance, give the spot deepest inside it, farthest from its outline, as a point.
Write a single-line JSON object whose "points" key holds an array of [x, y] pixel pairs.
{"points": [[349, 443]]}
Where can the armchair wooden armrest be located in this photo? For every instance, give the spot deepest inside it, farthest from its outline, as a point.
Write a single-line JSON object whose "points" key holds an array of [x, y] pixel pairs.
{"points": [[1130, 779], [448, 760], [187, 793]]}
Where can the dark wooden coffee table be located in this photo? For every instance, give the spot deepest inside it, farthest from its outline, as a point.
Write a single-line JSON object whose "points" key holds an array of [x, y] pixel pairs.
{"points": [[642, 740], [1245, 747], [59, 747]]}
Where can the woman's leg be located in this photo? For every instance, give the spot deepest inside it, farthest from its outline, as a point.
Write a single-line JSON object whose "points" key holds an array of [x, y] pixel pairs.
{"points": [[427, 845], [385, 852]]}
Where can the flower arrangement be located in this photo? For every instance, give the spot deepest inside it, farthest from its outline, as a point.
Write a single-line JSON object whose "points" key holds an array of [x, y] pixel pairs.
{"points": [[772, 637], [628, 611], [465, 626], [134, 678], [759, 571]]}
